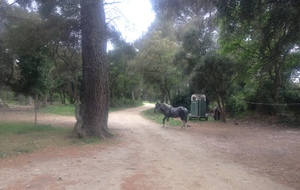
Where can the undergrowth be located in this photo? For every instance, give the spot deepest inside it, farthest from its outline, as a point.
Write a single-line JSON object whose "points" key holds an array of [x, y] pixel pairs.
{"points": [[18, 138]]}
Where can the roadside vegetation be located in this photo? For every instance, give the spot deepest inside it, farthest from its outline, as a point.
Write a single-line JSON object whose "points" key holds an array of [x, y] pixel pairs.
{"points": [[18, 138], [59, 109], [22, 138]]}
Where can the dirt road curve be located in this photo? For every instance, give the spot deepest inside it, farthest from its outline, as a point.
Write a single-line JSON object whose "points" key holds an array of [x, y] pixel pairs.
{"points": [[145, 157]]}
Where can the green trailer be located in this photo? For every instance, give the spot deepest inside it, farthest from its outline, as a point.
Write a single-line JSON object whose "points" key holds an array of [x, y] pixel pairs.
{"points": [[198, 107]]}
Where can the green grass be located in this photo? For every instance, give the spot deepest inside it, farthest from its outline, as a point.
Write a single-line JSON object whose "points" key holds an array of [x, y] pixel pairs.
{"points": [[157, 117], [25, 128], [69, 110], [18, 138], [64, 110]]}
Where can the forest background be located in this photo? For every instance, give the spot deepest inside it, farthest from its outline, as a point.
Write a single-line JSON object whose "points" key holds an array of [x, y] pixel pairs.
{"points": [[243, 55]]}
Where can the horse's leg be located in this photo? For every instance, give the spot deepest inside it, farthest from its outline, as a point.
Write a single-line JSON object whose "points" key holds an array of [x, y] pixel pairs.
{"points": [[183, 124], [167, 122], [184, 121], [164, 121]]}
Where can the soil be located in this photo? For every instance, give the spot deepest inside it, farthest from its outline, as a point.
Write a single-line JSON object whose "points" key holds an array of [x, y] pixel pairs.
{"points": [[143, 155]]}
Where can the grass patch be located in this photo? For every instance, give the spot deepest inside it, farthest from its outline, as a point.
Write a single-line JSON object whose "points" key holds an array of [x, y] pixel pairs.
{"points": [[69, 109], [18, 138], [157, 117], [60, 109]]}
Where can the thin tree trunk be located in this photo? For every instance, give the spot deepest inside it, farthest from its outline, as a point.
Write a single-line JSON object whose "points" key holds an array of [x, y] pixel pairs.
{"points": [[44, 104], [36, 102], [223, 111], [132, 95]]}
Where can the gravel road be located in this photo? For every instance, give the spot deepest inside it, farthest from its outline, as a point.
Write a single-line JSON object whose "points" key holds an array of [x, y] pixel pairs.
{"points": [[143, 156]]}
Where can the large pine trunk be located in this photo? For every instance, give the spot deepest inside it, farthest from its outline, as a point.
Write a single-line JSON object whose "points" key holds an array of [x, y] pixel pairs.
{"points": [[95, 86]]}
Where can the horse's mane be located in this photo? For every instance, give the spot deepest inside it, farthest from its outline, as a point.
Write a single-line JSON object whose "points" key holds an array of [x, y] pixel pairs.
{"points": [[166, 105]]}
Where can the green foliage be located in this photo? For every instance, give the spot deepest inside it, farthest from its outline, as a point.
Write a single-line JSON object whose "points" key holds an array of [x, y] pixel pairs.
{"points": [[154, 61], [122, 80], [291, 96], [197, 38], [262, 36], [29, 31], [182, 100], [7, 67], [182, 11], [236, 105], [34, 70], [216, 73]]}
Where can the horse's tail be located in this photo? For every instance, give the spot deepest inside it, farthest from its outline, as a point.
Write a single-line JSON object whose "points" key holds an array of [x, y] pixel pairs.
{"points": [[186, 113]]}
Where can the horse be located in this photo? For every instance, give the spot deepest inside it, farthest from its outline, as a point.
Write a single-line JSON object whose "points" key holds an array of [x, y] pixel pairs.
{"points": [[217, 113], [170, 111]]}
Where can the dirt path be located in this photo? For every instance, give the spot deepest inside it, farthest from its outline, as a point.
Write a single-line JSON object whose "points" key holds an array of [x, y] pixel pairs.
{"points": [[144, 156]]}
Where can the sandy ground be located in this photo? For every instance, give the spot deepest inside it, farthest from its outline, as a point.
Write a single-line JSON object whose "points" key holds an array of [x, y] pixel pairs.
{"points": [[145, 156]]}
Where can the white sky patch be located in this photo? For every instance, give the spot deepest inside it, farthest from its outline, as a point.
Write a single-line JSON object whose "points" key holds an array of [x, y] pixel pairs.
{"points": [[131, 17]]}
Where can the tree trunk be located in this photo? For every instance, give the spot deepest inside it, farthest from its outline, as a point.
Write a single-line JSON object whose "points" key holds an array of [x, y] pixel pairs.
{"points": [[29, 101], [132, 95], [223, 111], [221, 105], [44, 103], [51, 97], [95, 86], [36, 106]]}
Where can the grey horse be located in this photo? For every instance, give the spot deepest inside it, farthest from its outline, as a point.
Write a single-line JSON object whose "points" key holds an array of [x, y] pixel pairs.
{"points": [[170, 111]]}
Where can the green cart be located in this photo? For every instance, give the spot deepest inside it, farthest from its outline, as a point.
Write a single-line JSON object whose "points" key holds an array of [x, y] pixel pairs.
{"points": [[198, 107]]}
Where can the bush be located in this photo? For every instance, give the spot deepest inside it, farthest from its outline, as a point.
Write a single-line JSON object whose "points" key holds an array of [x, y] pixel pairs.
{"points": [[182, 100], [291, 97], [236, 105]]}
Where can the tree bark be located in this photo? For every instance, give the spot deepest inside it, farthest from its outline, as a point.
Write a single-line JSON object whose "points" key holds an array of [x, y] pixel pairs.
{"points": [[95, 86]]}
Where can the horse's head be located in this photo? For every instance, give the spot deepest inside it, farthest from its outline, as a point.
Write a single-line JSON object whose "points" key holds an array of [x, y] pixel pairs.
{"points": [[157, 107]]}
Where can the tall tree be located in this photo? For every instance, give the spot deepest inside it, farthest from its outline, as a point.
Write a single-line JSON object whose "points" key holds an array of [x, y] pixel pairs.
{"points": [[155, 61], [197, 39], [29, 53], [34, 80], [95, 84], [118, 69], [265, 30], [182, 11], [215, 73]]}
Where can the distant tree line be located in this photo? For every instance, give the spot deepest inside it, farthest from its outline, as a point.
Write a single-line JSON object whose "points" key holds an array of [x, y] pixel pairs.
{"points": [[243, 55]]}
